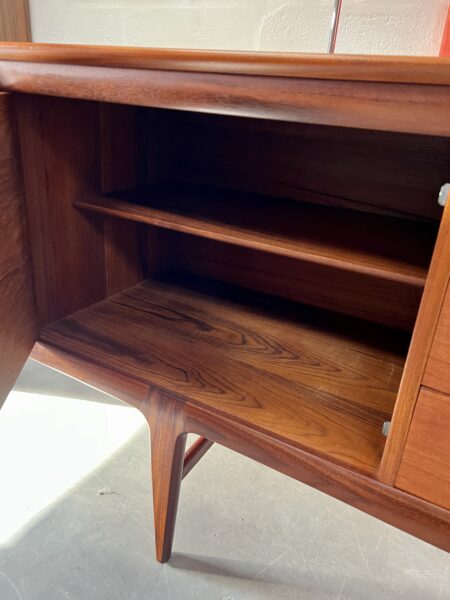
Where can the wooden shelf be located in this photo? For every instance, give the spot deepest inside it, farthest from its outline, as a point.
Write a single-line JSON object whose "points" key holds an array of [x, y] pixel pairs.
{"points": [[309, 377], [330, 236]]}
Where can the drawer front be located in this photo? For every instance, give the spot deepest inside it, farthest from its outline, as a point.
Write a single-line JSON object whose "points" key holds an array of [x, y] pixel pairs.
{"points": [[425, 465], [437, 370]]}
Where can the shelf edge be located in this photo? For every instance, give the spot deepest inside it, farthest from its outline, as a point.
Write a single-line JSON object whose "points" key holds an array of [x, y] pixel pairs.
{"points": [[159, 218]]}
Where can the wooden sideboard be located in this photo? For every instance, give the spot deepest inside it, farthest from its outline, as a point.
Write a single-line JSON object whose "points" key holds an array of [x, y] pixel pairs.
{"points": [[248, 247]]}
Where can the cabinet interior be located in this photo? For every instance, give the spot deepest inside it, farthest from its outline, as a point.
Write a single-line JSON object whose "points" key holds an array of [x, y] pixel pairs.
{"points": [[269, 271]]}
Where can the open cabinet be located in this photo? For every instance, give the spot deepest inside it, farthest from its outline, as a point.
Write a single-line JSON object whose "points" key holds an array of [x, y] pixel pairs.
{"points": [[271, 279]]}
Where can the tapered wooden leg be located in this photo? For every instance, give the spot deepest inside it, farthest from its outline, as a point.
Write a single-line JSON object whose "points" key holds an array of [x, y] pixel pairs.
{"points": [[168, 441]]}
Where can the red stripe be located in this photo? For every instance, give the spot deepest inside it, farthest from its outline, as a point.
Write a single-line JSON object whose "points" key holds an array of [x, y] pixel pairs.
{"points": [[445, 46]]}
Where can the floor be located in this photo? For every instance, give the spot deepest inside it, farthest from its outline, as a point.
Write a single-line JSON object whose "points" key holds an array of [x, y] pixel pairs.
{"points": [[75, 518]]}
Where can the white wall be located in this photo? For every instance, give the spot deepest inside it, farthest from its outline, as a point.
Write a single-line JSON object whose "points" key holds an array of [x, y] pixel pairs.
{"points": [[367, 26]]}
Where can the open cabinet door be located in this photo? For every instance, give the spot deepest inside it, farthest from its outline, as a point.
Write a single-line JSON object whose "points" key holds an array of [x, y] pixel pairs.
{"points": [[18, 320]]}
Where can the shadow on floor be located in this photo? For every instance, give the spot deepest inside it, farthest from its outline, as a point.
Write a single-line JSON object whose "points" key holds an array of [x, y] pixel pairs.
{"points": [[243, 532]]}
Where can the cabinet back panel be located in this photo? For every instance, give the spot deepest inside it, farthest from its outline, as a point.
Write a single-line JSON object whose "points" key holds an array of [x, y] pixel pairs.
{"points": [[369, 298], [374, 172], [365, 170]]}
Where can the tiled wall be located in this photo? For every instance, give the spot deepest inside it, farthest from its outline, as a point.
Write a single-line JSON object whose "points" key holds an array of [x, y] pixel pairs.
{"points": [[367, 26]]}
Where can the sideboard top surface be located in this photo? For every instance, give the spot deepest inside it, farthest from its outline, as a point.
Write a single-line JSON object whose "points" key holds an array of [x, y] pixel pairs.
{"points": [[393, 69], [398, 94]]}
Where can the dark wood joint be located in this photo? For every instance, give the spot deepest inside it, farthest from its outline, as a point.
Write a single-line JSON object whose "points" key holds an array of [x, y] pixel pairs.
{"points": [[194, 453]]}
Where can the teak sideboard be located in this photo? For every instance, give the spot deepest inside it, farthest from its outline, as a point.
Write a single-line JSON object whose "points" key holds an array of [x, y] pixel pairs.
{"points": [[248, 247]]}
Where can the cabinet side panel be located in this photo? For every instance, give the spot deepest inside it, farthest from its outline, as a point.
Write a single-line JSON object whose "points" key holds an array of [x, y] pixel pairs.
{"points": [[123, 155], [425, 467], [18, 321], [60, 152]]}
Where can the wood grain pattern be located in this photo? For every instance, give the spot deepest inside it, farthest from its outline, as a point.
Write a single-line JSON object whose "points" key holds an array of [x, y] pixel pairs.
{"points": [[60, 155], [15, 21], [411, 108], [425, 466], [123, 146], [377, 300], [412, 514], [300, 376], [122, 165], [118, 385], [401, 69], [437, 370], [122, 255], [18, 320], [421, 343], [329, 236], [372, 171]]}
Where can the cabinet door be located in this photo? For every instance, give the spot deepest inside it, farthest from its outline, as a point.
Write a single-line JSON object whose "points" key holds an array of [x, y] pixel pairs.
{"points": [[18, 322], [437, 370]]}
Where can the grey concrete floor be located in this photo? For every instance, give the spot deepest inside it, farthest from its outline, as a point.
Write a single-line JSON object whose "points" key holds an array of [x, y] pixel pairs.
{"points": [[76, 521]]}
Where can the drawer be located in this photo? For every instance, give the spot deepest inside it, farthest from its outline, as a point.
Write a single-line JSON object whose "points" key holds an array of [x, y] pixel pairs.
{"points": [[425, 466], [437, 371]]}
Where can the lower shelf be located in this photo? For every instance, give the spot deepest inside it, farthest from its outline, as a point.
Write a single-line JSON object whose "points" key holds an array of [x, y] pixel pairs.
{"points": [[318, 381]]}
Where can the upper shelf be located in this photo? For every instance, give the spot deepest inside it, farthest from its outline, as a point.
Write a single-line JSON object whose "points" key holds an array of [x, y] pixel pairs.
{"points": [[339, 238], [408, 95]]}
